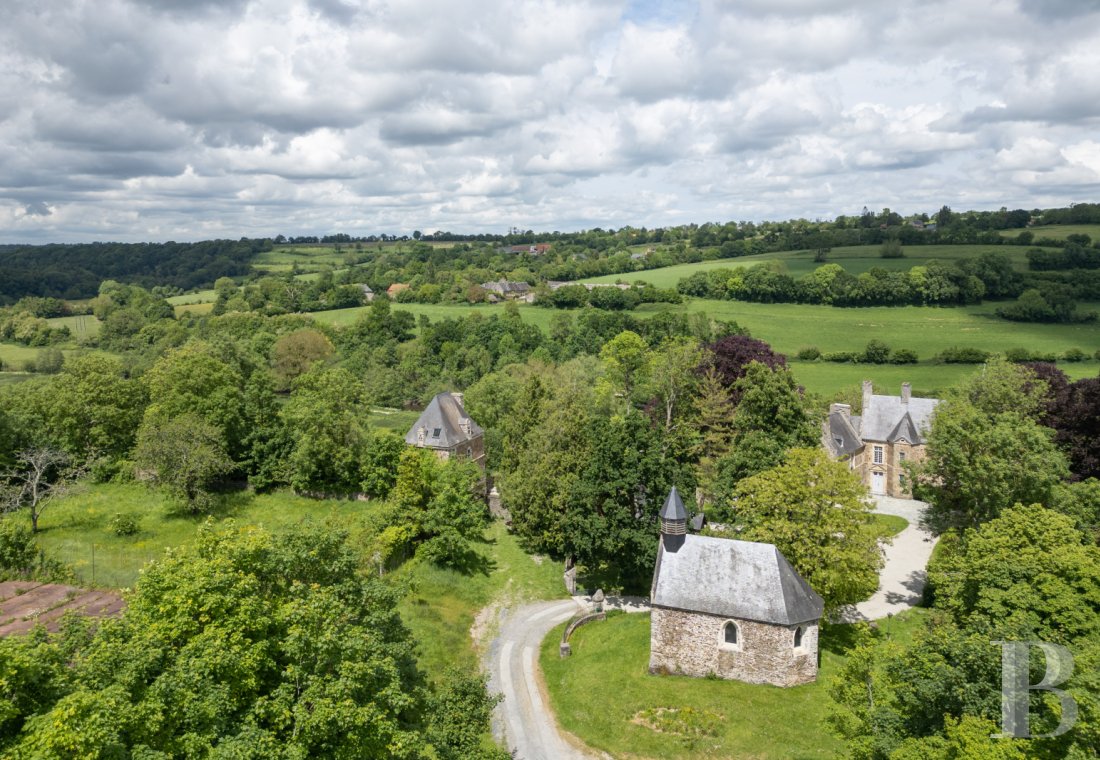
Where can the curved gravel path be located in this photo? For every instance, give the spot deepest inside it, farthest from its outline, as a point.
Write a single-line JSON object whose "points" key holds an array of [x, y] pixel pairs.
{"points": [[523, 720], [902, 579]]}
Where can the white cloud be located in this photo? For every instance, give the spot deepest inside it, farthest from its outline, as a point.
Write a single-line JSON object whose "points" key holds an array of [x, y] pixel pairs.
{"points": [[156, 119]]}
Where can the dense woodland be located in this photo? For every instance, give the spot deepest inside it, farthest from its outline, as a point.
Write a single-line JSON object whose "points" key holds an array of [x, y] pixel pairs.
{"points": [[249, 643]]}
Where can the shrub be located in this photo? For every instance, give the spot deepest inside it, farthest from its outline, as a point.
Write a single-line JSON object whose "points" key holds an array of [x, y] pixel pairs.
{"points": [[891, 249], [840, 356], [123, 524], [21, 558], [809, 354], [903, 356], [876, 352], [962, 355], [1020, 355], [1074, 355]]}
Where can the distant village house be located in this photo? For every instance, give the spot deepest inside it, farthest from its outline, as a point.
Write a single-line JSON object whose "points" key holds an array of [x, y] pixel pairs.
{"points": [[509, 290]]}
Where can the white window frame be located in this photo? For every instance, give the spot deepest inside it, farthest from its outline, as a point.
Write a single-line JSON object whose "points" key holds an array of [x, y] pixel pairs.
{"points": [[877, 455]]}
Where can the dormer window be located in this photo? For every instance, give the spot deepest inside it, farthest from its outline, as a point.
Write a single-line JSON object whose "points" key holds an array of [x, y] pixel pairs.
{"points": [[436, 432]]}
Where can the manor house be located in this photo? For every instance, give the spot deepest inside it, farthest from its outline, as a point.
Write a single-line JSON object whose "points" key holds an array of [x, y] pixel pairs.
{"points": [[876, 444], [446, 428]]}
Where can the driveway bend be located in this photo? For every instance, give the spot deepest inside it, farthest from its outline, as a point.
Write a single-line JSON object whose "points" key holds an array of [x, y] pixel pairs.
{"points": [[524, 720]]}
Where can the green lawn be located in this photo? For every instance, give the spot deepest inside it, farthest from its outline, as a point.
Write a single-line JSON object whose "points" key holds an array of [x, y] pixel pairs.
{"points": [[598, 692], [397, 420], [80, 326], [890, 525], [855, 259], [199, 296]]}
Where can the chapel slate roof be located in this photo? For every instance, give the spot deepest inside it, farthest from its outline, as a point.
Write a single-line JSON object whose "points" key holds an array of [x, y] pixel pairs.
{"points": [[735, 579], [883, 418], [442, 423]]}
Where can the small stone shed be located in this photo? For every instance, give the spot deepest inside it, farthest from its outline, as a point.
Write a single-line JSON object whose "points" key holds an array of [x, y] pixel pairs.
{"points": [[734, 609]]}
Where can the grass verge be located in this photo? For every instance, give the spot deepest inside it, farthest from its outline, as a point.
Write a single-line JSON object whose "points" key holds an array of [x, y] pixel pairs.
{"points": [[605, 695]]}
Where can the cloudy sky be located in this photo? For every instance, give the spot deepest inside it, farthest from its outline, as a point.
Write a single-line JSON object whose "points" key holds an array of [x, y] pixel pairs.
{"points": [[192, 119]]}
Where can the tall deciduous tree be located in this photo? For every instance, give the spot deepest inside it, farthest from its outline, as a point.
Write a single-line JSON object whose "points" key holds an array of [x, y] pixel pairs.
{"points": [[245, 645], [186, 455], [814, 510], [195, 380], [982, 462], [625, 361], [731, 356], [326, 417], [93, 406], [294, 353]]}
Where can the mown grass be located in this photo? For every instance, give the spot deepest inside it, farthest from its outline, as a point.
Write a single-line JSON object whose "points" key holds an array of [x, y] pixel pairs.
{"points": [[855, 259], [81, 325], [890, 525], [598, 691], [199, 296]]}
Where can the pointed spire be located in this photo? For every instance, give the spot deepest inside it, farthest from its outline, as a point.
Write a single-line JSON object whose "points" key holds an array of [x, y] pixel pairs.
{"points": [[674, 507]]}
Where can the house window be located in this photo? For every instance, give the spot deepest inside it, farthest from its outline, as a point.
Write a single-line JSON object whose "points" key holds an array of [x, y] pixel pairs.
{"points": [[436, 432], [878, 455], [798, 637], [731, 636]]}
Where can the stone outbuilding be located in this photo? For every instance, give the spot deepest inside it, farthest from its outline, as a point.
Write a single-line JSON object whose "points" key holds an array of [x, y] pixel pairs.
{"points": [[734, 609], [876, 444], [446, 428]]}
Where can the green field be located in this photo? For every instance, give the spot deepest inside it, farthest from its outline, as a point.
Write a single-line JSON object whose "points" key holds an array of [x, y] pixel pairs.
{"points": [[397, 420], [83, 325], [599, 692], [199, 296], [13, 356], [1059, 231], [532, 314], [855, 259]]}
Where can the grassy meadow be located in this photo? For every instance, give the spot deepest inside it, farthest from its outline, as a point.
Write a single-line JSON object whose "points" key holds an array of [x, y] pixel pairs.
{"points": [[440, 605], [1059, 231], [601, 691], [855, 259]]}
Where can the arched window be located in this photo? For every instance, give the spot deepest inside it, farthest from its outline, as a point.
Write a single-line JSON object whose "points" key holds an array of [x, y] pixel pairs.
{"points": [[798, 637], [730, 634]]}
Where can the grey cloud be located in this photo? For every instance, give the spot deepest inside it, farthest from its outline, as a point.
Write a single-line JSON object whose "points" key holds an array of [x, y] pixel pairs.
{"points": [[37, 208]]}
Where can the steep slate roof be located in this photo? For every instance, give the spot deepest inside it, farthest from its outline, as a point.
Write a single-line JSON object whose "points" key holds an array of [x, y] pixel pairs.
{"points": [[442, 422], [674, 507], [884, 418], [736, 579], [844, 434]]}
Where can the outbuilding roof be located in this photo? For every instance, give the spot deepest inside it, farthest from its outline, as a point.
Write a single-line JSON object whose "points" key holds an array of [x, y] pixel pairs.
{"points": [[735, 579], [444, 423]]}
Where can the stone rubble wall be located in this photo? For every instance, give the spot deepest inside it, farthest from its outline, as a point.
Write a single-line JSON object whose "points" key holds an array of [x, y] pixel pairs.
{"points": [[692, 643]]}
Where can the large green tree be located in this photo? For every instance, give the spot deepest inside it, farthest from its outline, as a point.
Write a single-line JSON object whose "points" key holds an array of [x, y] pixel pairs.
{"points": [[185, 455], [243, 645], [93, 407], [326, 418], [815, 511]]}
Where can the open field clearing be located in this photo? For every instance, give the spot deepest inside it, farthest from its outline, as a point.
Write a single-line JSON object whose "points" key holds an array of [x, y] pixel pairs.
{"points": [[80, 326], [199, 296], [605, 695], [1059, 231], [855, 259]]}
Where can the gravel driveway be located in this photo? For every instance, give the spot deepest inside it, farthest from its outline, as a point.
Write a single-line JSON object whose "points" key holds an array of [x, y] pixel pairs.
{"points": [[902, 579]]}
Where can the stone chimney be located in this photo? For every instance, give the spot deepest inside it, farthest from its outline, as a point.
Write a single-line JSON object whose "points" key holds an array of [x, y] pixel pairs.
{"points": [[906, 392], [459, 397], [845, 409], [421, 432], [868, 390]]}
